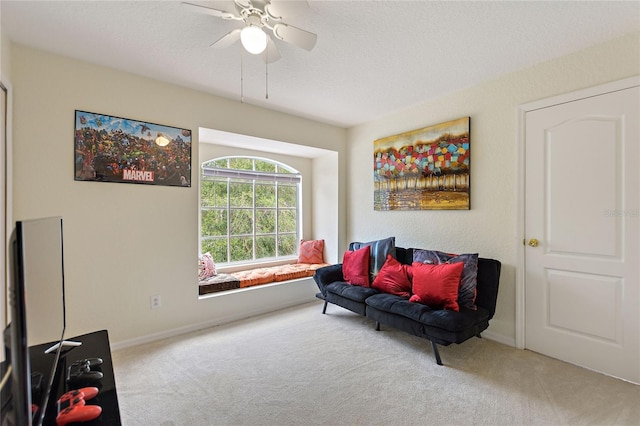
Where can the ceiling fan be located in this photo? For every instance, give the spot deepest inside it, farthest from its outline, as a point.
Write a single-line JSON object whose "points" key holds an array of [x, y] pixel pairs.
{"points": [[259, 18]]}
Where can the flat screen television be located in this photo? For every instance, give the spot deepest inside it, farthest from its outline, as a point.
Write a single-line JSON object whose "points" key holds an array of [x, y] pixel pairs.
{"points": [[36, 304]]}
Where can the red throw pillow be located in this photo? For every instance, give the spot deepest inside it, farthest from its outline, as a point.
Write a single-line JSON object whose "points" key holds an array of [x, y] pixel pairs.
{"points": [[437, 285], [469, 277], [393, 278], [310, 251], [355, 266]]}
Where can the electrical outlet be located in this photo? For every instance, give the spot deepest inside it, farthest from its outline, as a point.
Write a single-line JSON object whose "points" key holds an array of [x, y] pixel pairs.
{"points": [[156, 301]]}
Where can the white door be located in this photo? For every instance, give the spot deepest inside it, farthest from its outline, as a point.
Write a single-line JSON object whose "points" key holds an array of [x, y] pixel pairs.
{"points": [[582, 186]]}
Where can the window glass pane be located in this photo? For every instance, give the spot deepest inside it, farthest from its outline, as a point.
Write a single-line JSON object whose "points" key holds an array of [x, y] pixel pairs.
{"points": [[282, 169], [287, 245], [287, 221], [217, 248], [241, 163], [241, 194], [241, 248], [287, 196], [265, 195], [241, 209], [214, 223], [265, 221], [241, 222], [265, 166], [265, 247], [222, 163], [213, 193], [207, 193]]}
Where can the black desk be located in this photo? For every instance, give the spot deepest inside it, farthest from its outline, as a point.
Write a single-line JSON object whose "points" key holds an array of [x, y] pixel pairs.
{"points": [[94, 345]]}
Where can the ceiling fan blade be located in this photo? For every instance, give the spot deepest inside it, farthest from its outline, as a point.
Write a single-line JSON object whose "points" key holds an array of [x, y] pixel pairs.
{"points": [[295, 36], [243, 4], [277, 9], [271, 53], [219, 13], [228, 39]]}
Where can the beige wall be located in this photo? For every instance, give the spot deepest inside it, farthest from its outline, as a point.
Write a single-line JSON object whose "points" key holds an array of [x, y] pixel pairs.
{"points": [[490, 226], [5, 58], [125, 242]]}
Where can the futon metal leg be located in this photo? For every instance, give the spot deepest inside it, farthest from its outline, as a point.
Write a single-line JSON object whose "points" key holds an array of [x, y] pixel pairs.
{"points": [[436, 352], [377, 325], [324, 308], [478, 336]]}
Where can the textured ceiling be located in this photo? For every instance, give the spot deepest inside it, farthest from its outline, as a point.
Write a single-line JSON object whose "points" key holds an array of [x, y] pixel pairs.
{"points": [[372, 57]]}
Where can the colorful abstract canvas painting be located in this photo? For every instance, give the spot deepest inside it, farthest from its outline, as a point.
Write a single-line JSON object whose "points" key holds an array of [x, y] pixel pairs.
{"points": [[424, 169]]}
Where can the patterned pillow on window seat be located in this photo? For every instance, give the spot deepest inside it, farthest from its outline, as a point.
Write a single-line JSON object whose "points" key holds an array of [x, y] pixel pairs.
{"points": [[206, 266], [311, 251]]}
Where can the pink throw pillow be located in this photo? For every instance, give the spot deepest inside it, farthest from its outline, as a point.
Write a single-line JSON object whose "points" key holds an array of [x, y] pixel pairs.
{"points": [[311, 251], [206, 266]]}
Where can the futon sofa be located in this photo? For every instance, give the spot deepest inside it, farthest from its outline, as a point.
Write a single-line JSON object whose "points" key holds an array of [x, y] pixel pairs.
{"points": [[405, 311]]}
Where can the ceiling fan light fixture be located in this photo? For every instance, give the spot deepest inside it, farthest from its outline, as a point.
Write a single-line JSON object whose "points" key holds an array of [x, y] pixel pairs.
{"points": [[253, 39]]}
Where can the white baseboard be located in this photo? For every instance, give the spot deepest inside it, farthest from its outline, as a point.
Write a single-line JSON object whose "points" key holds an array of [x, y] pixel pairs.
{"points": [[248, 314], [244, 314], [509, 341], [263, 309]]}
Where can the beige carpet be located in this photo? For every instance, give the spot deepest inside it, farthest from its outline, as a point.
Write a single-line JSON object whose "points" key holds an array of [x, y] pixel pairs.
{"points": [[299, 367]]}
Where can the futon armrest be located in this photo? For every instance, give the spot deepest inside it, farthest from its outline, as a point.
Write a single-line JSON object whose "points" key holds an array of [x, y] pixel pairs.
{"points": [[327, 275]]}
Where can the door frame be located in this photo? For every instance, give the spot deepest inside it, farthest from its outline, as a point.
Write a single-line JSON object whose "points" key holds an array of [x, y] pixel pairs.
{"points": [[6, 192], [521, 187]]}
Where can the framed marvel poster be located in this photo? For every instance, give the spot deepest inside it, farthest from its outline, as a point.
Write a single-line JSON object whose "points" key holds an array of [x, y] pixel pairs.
{"points": [[116, 149]]}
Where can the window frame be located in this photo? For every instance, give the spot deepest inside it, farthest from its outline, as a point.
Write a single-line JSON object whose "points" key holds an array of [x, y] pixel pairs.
{"points": [[284, 175]]}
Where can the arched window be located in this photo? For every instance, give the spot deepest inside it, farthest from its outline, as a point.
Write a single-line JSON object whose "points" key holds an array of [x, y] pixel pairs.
{"points": [[249, 210]]}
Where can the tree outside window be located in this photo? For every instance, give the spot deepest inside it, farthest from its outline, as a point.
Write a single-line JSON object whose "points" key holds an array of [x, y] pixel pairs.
{"points": [[249, 210]]}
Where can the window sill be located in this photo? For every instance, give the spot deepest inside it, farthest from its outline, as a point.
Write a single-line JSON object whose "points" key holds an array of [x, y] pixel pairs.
{"points": [[229, 269], [226, 282], [248, 289]]}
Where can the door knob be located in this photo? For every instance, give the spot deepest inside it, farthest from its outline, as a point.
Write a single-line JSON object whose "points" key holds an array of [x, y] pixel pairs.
{"points": [[533, 242]]}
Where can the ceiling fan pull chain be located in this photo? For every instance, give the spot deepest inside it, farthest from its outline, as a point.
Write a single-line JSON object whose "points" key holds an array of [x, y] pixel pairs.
{"points": [[266, 76], [241, 78]]}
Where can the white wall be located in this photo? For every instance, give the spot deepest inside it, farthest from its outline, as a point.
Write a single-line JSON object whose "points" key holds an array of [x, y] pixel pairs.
{"points": [[5, 54], [490, 226], [126, 242], [328, 204]]}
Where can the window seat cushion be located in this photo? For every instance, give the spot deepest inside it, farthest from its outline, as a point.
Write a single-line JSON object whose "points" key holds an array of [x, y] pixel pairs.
{"points": [[290, 272], [219, 282], [278, 273], [296, 270], [258, 276]]}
